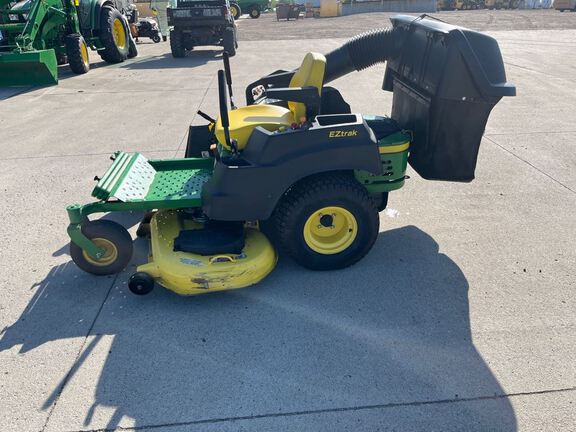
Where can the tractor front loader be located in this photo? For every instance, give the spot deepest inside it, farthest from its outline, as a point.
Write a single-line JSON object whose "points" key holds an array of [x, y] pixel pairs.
{"points": [[38, 35]]}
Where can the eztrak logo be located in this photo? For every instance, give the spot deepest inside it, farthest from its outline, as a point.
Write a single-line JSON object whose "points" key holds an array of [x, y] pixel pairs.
{"points": [[342, 134]]}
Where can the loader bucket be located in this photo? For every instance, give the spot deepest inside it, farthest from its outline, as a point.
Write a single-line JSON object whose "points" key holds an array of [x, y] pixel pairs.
{"points": [[27, 68]]}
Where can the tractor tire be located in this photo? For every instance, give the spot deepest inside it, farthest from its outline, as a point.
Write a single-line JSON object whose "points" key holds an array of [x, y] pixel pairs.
{"points": [[177, 44], [156, 39], [326, 222], [229, 41], [77, 53], [255, 12], [235, 10], [111, 236], [114, 35], [132, 49]]}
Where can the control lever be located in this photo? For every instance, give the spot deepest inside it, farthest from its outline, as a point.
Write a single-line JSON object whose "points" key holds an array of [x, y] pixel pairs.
{"points": [[205, 116], [228, 73]]}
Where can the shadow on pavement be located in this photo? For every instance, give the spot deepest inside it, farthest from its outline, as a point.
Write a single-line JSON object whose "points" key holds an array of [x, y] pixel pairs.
{"points": [[166, 61], [393, 329]]}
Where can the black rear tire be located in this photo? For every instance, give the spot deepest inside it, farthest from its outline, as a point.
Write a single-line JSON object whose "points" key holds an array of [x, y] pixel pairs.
{"points": [[115, 36], [77, 53], [255, 12], [229, 41], [306, 201], [177, 44], [133, 49], [114, 238]]}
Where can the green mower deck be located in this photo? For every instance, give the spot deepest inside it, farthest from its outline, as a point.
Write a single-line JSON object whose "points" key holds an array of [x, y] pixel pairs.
{"points": [[134, 183]]}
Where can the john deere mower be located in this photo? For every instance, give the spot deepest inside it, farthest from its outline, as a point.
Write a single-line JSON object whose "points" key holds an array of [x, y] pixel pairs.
{"points": [[295, 170], [38, 35]]}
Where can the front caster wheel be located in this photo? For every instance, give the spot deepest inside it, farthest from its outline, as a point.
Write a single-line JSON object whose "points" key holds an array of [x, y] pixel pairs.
{"points": [[107, 235], [141, 283]]}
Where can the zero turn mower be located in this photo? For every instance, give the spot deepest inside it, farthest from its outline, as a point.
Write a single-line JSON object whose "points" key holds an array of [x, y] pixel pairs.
{"points": [[295, 170]]}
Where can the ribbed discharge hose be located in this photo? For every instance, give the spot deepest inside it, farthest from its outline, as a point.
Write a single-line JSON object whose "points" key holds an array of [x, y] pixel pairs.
{"points": [[362, 51]]}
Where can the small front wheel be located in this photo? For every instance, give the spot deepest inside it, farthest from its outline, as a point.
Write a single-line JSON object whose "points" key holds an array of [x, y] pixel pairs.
{"points": [[110, 236], [141, 283], [77, 53], [255, 12], [156, 38]]}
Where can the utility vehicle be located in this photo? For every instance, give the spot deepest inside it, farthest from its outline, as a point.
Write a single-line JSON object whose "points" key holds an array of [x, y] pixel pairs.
{"points": [[294, 170], [201, 22]]}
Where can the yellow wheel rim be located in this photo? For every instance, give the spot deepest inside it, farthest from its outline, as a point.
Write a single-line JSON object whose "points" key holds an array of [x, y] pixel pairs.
{"points": [[84, 53], [110, 254], [119, 33], [330, 230]]}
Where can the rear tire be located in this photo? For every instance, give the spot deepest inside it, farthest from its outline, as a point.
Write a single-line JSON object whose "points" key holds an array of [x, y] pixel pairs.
{"points": [[114, 35], [133, 49], [177, 44], [111, 236], [77, 53], [235, 10], [326, 222], [229, 41]]}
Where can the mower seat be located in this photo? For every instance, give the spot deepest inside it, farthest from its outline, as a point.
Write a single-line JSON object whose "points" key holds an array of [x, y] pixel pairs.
{"points": [[271, 117]]}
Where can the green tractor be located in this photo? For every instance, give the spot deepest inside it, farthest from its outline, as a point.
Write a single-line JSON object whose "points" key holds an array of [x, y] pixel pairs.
{"points": [[38, 35], [295, 170]]}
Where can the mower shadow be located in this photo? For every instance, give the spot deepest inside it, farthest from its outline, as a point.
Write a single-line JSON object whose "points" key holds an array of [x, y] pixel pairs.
{"points": [[393, 329]]}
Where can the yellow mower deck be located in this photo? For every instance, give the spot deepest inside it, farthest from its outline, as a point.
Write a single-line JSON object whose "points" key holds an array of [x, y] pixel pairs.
{"points": [[191, 274]]}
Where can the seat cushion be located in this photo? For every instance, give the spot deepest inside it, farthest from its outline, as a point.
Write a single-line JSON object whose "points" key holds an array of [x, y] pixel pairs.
{"points": [[244, 120], [309, 74]]}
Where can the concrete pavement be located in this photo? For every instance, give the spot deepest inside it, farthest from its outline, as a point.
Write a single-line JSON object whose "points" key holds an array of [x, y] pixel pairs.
{"points": [[461, 318]]}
